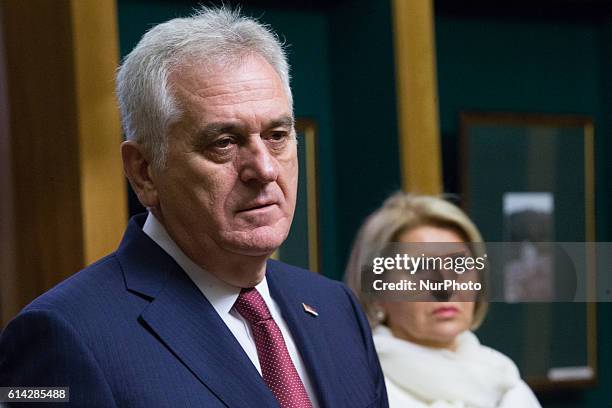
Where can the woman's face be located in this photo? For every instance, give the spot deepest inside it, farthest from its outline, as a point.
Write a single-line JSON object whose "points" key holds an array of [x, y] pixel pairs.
{"points": [[432, 324]]}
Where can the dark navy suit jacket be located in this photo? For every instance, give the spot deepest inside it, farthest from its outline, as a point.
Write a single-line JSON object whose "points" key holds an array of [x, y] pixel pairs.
{"points": [[132, 330]]}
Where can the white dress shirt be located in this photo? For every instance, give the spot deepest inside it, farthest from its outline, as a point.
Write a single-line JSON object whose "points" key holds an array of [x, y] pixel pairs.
{"points": [[222, 297]]}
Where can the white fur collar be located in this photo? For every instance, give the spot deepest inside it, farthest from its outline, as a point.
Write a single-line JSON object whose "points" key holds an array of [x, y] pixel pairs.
{"points": [[473, 375]]}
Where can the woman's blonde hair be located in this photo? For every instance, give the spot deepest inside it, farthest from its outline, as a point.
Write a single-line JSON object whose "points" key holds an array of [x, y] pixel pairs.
{"points": [[400, 213]]}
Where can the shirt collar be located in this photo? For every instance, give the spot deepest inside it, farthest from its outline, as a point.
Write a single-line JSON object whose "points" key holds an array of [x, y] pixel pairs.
{"points": [[221, 295]]}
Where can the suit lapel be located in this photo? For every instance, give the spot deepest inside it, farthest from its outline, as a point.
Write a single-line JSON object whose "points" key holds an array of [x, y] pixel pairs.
{"points": [[308, 335], [188, 324], [183, 319]]}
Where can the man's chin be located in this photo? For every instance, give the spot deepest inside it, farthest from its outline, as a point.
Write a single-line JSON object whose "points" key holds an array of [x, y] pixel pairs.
{"points": [[259, 244]]}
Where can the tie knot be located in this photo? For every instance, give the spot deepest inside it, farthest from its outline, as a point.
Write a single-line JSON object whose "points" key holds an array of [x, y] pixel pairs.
{"points": [[252, 306]]}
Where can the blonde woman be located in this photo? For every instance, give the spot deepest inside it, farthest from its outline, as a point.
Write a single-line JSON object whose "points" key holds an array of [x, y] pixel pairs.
{"points": [[428, 352]]}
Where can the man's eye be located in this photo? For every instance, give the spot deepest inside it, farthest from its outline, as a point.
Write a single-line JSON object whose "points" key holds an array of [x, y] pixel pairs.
{"points": [[223, 143], [277, 136]]}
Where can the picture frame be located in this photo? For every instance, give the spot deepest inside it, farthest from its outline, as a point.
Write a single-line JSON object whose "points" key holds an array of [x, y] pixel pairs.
{"points": [[304, 233], [535, 171]]}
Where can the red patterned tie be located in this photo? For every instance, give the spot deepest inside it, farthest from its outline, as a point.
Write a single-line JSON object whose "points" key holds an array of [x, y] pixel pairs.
{"points": [[277, 368]]}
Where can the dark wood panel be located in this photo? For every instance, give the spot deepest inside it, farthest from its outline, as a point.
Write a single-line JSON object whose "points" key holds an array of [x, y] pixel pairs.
{"points": [[44, 145], [7, 266]]}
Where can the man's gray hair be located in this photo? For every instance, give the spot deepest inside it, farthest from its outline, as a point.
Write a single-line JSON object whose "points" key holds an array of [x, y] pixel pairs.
{"points": [[212, 36]]}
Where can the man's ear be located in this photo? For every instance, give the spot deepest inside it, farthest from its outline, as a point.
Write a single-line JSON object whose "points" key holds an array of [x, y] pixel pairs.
{"points": [[137, 168]]}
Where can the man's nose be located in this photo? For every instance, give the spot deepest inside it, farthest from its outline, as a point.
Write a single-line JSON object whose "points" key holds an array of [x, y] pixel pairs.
{"points": [[257, 163]]}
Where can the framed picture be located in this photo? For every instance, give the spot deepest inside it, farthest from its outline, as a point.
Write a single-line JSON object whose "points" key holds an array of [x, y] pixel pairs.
{"points": [[528, 269], [529, 179], [301, 248]]}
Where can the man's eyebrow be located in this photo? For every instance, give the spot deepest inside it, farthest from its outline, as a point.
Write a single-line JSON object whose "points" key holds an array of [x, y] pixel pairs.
{"points": [[283, 121], [217, 128], [212, 130]]}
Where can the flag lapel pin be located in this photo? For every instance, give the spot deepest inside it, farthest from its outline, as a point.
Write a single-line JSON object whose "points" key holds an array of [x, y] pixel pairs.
{"points": [[310, 310]]}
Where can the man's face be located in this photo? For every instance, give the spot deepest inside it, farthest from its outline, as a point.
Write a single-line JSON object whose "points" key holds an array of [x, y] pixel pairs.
{"points": [[231, 173]]}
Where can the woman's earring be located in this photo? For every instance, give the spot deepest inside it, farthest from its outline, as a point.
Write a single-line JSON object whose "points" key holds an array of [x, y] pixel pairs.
{"points": [[379, 314]]}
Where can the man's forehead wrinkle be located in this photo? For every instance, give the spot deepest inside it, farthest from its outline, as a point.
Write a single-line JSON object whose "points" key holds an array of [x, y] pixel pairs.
{"points": [[228, 96], [198, 82], [231, 100], [201, 90], [236, 87]]}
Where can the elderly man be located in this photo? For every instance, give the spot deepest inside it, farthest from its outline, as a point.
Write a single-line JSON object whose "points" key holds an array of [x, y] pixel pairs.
{"points": [[189, 311]]}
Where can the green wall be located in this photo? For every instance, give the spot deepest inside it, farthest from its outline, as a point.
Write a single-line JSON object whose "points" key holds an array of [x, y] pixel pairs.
{"points": [[364, 111]]}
